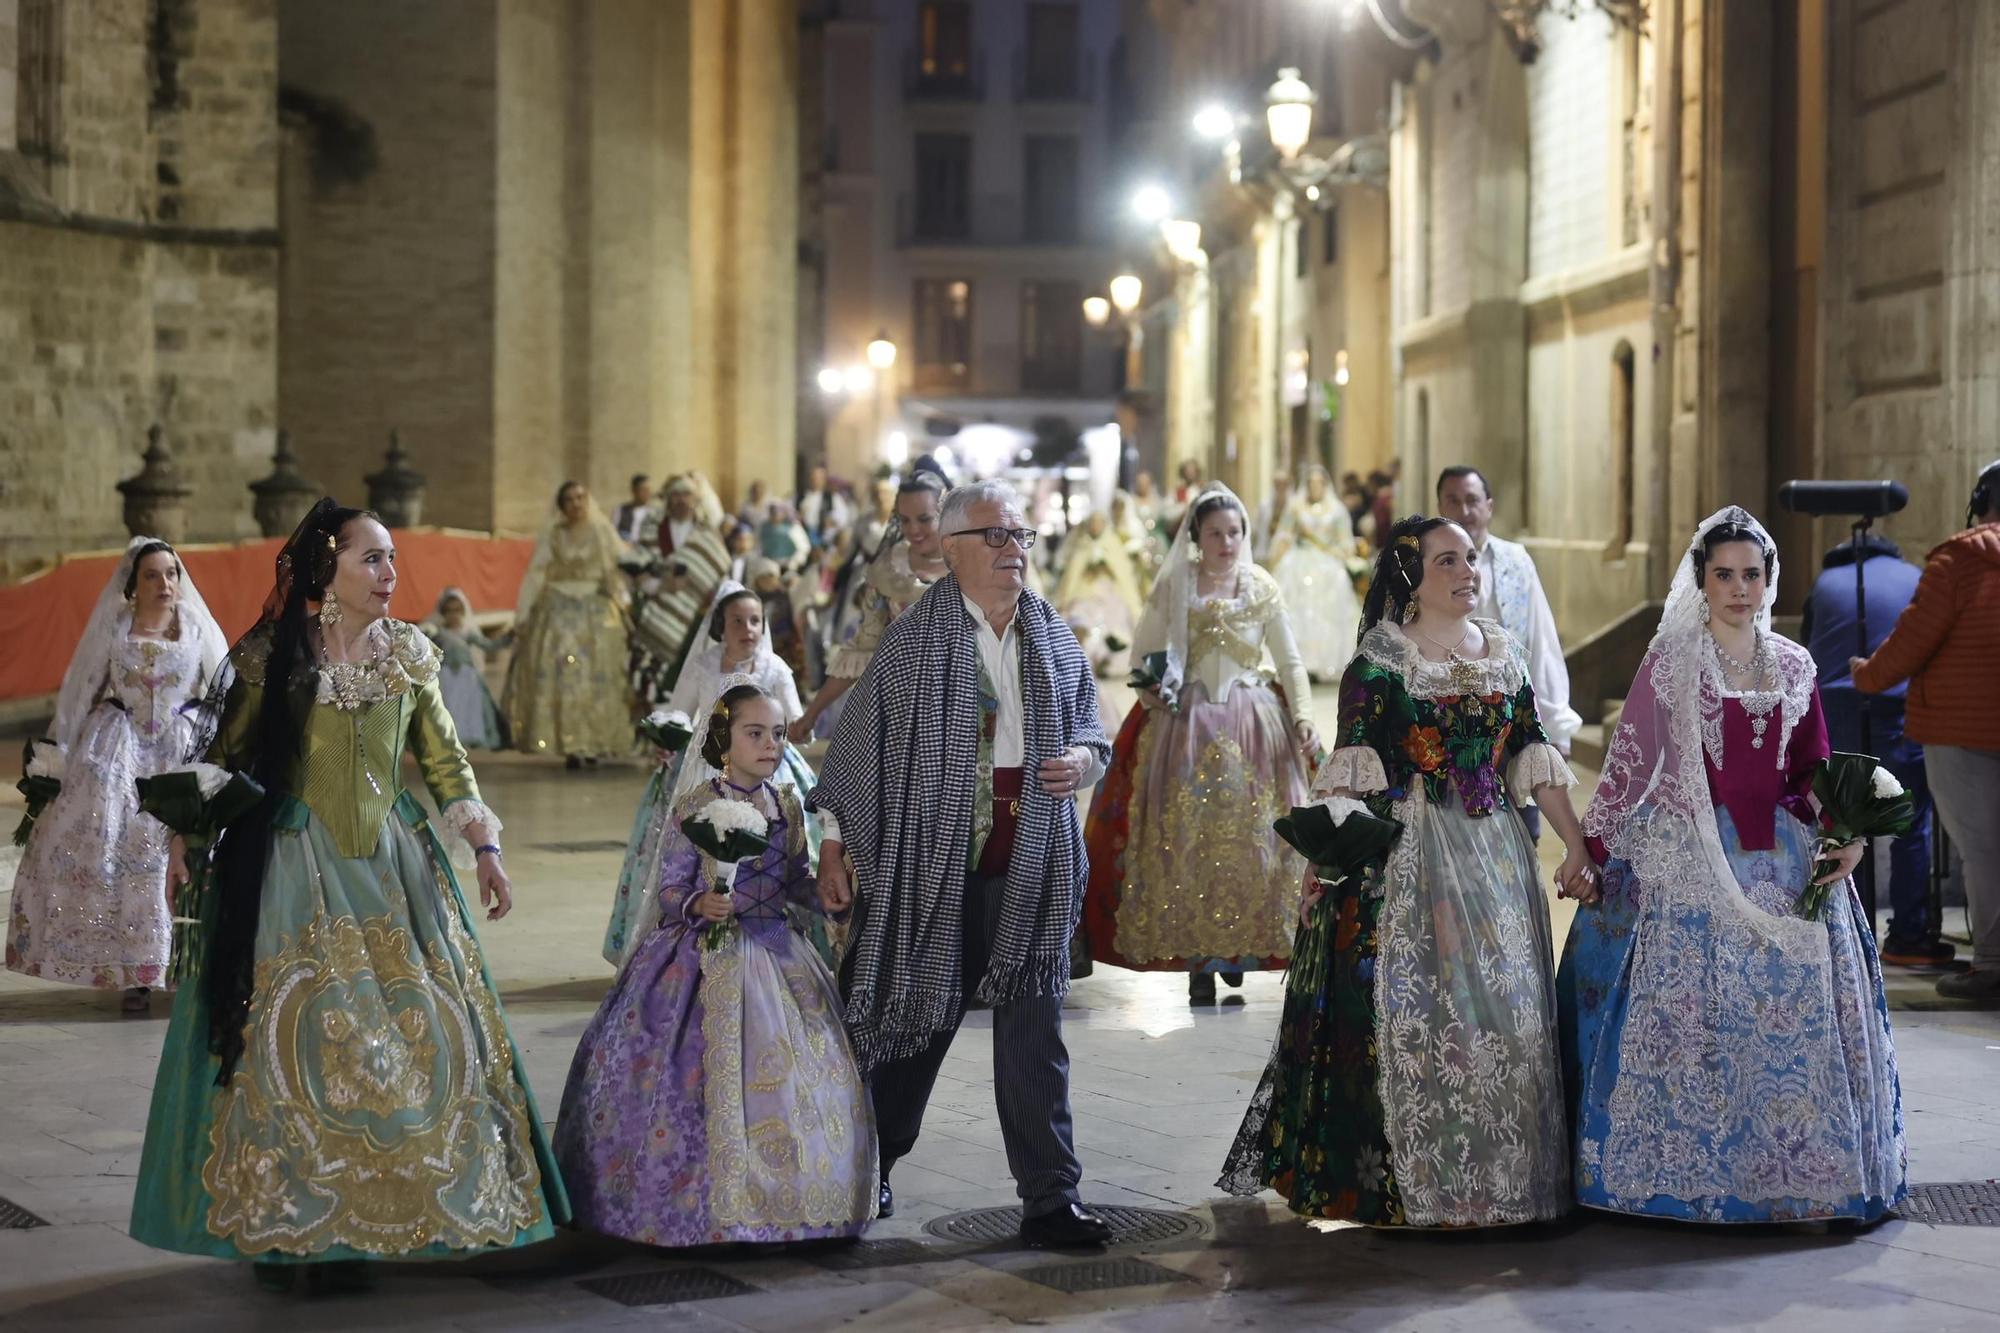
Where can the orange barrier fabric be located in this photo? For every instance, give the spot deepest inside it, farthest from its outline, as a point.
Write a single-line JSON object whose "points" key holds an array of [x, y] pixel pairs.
{"points": [[42, 617]]}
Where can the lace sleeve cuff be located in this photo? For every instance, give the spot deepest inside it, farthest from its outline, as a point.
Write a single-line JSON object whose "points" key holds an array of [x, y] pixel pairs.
{"points": [[1355, 768], [457, 817], [1536, 767]]}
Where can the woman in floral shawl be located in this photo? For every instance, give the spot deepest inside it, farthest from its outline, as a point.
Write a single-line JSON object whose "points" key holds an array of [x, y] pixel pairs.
{"points": [[1417, 1083]]}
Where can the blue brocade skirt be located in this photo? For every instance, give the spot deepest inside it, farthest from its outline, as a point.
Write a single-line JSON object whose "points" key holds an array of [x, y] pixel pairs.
{"points": [[1747, 1087]]}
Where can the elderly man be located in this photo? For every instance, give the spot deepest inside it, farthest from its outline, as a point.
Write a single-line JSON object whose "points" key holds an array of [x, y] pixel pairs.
{"points": [[1945, 644], [951, 787], [696, 561], [1510, 591]]}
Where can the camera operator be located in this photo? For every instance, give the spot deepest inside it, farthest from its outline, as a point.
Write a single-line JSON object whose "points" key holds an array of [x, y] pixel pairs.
{"points": [[1946, 644]]}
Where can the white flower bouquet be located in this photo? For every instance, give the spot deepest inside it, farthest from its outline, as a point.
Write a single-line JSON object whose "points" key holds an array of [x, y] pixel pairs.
{"points": [[669, 731], [1858, 798], [729, 832]]}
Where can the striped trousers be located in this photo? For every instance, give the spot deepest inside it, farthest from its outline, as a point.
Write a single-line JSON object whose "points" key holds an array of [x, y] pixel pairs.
{"points": [[1030, 1075]]}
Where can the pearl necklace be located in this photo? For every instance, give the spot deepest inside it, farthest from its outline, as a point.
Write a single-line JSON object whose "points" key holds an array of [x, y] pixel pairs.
{"points": [[1756, 672]]}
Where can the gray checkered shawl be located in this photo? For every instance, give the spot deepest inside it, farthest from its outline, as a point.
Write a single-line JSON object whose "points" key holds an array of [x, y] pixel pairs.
{"points": [[900, 777]]}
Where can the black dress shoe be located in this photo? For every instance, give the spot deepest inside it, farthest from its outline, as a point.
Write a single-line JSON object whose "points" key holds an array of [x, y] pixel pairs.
{"points": [[885, 1201], [1070, 1227], [1232, 978], [1201, 988]]}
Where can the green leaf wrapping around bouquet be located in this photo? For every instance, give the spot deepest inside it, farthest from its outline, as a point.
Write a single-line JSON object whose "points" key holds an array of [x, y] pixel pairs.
{"points": [[669, 736], [1312, 950], [1338, 851], [1152, 669], [39, 791], [176, 800], [38, 788], [735, 845], [1845, 787]]}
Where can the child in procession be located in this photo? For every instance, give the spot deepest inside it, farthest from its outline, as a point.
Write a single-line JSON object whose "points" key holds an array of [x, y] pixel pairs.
{"points": [[714, 1097]]}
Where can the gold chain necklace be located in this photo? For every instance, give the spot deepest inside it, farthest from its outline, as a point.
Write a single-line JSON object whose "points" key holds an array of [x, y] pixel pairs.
{"points": [[1464, 674]]}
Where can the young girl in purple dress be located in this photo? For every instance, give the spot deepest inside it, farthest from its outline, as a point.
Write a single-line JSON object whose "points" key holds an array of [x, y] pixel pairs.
{"points": [[714, 1097]]}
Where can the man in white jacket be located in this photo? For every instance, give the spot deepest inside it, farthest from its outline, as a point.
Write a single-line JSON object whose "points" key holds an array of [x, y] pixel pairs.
{"points": [[1510, 591]]}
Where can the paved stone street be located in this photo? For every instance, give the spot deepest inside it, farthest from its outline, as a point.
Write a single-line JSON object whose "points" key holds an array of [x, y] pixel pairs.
{"points": [[1158, 1093]]}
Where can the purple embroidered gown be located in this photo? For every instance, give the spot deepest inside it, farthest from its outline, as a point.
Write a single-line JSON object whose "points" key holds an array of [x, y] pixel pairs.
{"points": [[714, 1097]]}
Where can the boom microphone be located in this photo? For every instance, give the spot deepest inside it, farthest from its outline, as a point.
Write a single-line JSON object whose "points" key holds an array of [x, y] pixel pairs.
{"points": [[1864, 499]]}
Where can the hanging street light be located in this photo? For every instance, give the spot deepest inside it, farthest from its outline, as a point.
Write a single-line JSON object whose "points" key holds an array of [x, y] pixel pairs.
{"points": [[1215, 121], [1096, 311], [1152, 203], [881, 352], [831, 381], [1126, 289], [1183, 239], [1288, 110]]}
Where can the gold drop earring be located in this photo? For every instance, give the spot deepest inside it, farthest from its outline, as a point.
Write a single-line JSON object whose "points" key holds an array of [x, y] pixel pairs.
{"points": [[329, 611]]}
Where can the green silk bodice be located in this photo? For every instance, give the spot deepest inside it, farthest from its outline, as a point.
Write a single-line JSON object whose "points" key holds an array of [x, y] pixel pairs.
{"points": [[362, 717]]}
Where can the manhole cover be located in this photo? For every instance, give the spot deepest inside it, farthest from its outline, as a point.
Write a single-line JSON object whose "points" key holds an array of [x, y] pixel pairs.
{"points": [[1100, 1275], [13, 1217], [1129, 1226], [1974, 1203], [881, 1254], [572, 848], [670, 1287]]}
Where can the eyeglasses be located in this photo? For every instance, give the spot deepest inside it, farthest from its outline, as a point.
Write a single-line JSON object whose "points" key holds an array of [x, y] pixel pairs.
{"points": [[998, 537]]}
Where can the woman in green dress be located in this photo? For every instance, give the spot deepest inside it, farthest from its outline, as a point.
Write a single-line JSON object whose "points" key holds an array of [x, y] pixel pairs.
{"points": [[338, 1083]]}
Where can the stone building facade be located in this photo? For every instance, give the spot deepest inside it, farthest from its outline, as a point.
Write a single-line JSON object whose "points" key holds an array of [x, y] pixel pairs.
{"points": [[539, 238], [1265, 349], [1633, 272], [138, 259]]}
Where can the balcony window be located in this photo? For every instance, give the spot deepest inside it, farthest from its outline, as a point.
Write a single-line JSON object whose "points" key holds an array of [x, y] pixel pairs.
{"points": [[1051, 337], [943, 58], [1048, 188], [943, 324], [943, 187], [1051, 65]]}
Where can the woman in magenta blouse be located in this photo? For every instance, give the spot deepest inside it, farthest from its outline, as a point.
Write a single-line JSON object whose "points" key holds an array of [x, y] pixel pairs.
{"points": [[1729, 1059]]}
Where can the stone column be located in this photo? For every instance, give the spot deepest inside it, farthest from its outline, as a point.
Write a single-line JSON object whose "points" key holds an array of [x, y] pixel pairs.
{"points": [[743, 233]]}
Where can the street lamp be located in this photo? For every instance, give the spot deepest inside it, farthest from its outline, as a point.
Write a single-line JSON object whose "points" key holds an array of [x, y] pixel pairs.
{"points": [[1214, 121], [831, 381], [1096, 311], [858, 380], [1183, 239], [1152, 203], [1288, 109], [881, 352], [1126, 289]]}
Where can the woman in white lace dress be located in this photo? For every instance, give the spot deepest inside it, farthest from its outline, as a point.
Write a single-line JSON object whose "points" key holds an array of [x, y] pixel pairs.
{"points": [[89, 903], [1417, 1082], [1309, 555]]}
